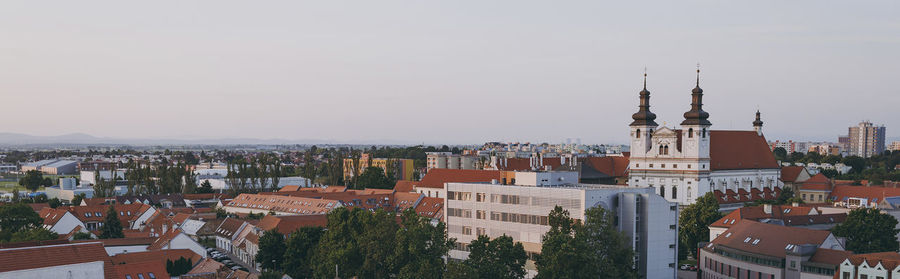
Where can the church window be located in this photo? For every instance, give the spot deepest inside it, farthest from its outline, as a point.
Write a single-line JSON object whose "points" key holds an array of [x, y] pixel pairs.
{"points": [[662, 191], [689, 165], [674, 166], [651, 165], [691, 133], [638, 133], [689, 193], [663, 166], [674, 192], [704, 132]]}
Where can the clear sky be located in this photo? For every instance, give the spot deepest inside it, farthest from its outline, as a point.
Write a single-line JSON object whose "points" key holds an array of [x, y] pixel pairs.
{"points": [[442, 71]]}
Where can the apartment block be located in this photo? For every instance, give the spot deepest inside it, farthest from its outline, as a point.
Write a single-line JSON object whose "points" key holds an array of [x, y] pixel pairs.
{"points": [[866, 139]]}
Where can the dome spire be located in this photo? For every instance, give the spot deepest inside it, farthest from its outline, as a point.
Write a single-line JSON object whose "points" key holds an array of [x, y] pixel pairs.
{"points": [[644, 117], [696, 116], [757, 124]]}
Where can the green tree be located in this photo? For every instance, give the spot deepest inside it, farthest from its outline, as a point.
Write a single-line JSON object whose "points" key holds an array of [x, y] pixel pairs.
{"points": [[695, 220], [32, 180], [780, 153], [205, 188], [268, 274], [54, 202], [33, 234], [420, 247], [271, 250], [112, 227], [300, 251], [358, 242], [16, 217], [179, 267], [499, 258], [868, 230], [82, 235], [76, 201], [374, 177], [591, 250]]}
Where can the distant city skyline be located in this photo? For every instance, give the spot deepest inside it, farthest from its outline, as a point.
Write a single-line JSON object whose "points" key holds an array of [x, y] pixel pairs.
{"points": [[443, 73]]}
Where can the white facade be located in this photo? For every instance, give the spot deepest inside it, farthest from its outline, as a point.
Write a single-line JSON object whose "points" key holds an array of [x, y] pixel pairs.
{"points": [[66, 224], [649, 221], [183, 241], [88, 270]]}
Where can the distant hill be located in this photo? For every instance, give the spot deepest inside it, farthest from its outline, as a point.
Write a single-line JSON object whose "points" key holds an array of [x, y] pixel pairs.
{"points": [[14, 139]]}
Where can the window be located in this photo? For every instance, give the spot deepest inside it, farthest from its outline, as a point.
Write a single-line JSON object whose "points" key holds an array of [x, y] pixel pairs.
{"points": [[87, 214], [674, 192], [689, 165], [651, 165], [127, 276], [480, 214], [704, 133], [662, 166], [674, 166], [140, 276], [662, 191], [480, 231], [466, 230], [480, 197], [691, 133], [97, 214], [152, 276], [638, 133]]}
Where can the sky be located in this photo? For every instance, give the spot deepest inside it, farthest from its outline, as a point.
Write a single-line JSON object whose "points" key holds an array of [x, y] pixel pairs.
{"points": [[457, 72]]}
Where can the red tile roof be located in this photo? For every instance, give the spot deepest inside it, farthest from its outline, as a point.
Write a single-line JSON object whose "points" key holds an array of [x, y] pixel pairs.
{"points": [[772, 239], [871, 193], [739, 150], [889, 260], [156, 256], [142, 270], [286, 204], [435, 178], [51, 255], [615, 166], [206, 266], [790, 173], [404, 185], [430, 207], [756, 213], [164, 240], [229, 227], [289, 188], [829, 256], [289, 224], [120, 241]]}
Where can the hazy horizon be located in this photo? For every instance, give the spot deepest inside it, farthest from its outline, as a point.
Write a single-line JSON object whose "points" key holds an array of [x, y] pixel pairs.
{"points": [[456, 72]]}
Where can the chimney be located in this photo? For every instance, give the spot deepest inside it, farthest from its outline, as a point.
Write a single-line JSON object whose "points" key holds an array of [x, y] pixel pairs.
{"points": [[767, 208]]}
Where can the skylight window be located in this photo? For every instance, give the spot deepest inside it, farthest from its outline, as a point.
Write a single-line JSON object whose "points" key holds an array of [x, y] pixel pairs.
{"points": [[732, 221], [726, 221], [747, 240], [756, 241], [728, 235]]}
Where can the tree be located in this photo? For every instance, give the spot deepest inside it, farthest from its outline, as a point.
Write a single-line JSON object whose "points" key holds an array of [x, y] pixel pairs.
{"points": [[33, 234], [780, 153], [82, 235], [16, 217], [205, 188], [300, 250], [420, 247], [498, 258], [868, 230], [358, 242], [179, 267], [695, 220], [374, 177], [270, 275], [591, 250], [271, 250], [54, 202], [76, 201], [112, 227], [32, 180]]}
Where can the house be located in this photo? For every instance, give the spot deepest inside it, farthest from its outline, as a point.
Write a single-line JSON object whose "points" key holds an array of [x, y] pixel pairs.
{"points": [[793, 176], [281, 205], [227, 232], [177, 239], [432, 184], [70, 260], [61, 221], [816, 189], [751, 249], [865, 197], [785, 215], [885, 265], [115, 246]]}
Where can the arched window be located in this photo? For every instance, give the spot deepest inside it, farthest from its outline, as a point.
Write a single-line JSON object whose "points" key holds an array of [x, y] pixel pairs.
{"points": [[691, 133], [704, 132], [638, 133], [662, 191], [674, 192], [689, 193], [662, 150]]}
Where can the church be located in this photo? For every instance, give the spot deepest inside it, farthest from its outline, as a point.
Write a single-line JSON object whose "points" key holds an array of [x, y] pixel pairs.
{"points": [[684, 163]]}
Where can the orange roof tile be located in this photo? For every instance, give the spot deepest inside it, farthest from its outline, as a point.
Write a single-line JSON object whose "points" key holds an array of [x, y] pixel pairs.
{"points": [[435, 178], [790, 173], [430, 207], [404, 185], [285, 204], [51, 255], [772, 239], [156, 256], [739, 150], [870, 193], [289, 224], [142, 270], [829, 256]]}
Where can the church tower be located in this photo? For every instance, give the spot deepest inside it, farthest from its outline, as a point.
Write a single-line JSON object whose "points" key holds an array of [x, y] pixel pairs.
{"points": [[643, 125], [695, 127], [757, 124]]}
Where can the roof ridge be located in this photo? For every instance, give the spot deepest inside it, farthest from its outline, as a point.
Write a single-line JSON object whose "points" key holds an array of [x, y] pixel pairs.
{"points": [[52, 245]]}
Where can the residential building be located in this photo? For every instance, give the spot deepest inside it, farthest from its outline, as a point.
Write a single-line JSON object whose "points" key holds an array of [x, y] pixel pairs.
{"points": [[683, 164], [815, 189], [519, 211], [402, 169], [786, 215], [69, 260], [895, 146], [751, 249], [447, 160], [866, 139], [793, 176], [432, 185], [281, 205], [884, 265]]}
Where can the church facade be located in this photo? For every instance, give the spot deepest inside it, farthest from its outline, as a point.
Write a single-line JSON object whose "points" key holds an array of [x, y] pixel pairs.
{"points": [[684, 163]]}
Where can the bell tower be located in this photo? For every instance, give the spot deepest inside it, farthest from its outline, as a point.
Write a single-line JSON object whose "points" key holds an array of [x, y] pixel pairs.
{"points": [[643, 125], [695, 127]]}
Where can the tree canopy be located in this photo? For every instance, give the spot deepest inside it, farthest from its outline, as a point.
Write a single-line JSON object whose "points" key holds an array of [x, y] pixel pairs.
{"points": [[695, 220], [271, 250], [498, 258], [32, 180], [299, 250], [868, 230], [374, 177], [112, 227], [17, 217], [593, 249]]}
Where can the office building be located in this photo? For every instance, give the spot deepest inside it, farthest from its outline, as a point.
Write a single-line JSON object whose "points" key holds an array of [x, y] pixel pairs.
{"points": [[520, 210]]}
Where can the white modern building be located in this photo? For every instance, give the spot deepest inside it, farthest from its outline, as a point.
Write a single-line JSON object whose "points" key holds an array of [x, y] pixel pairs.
{"points": [[684, 163], [649, 222]]}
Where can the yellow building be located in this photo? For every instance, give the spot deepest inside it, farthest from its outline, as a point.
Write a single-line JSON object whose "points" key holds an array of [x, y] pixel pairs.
{"points": [[403, 168]]}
